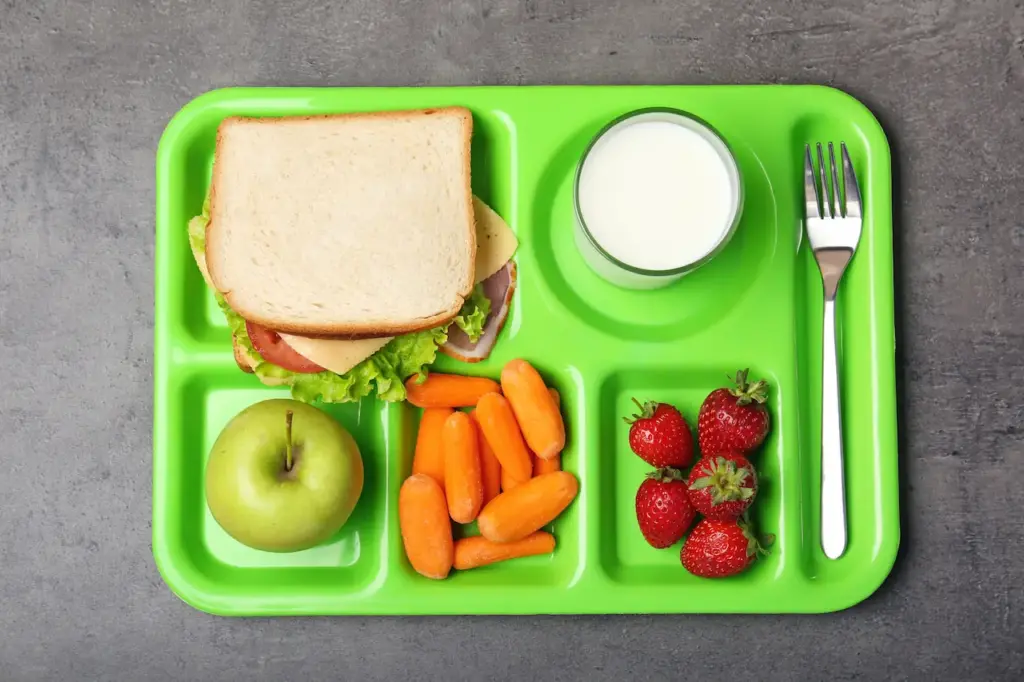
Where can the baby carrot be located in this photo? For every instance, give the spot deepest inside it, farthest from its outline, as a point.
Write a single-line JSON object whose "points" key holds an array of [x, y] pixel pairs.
{"points": [[463, 483], [508, 481], [499, 425], [448, 390], [546, 466], [477, 550], [490, 467], [535, 409], [426, 530], [429, 456], [528, 507]]}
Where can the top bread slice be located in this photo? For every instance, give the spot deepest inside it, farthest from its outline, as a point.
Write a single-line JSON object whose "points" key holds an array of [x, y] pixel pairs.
{"points": [[348, 225]]}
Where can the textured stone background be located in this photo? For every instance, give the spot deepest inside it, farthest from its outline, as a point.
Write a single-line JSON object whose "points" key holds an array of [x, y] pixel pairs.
{"points": [[85, 90]]}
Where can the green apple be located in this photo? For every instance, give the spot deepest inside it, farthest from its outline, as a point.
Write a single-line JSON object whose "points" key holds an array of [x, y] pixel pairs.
{"points": [[283, 476]]}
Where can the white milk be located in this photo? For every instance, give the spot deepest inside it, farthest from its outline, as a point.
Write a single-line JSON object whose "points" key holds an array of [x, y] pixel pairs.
{"points": [[657, 192]]}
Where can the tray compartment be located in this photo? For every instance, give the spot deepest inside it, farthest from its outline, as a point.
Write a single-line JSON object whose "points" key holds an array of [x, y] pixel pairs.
{"points": [[492, 156], [555, 570], [625, 555], [660, 315], [349, 563], [864, 311]]}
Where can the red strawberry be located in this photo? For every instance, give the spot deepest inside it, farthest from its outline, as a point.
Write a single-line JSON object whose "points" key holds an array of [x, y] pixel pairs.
{"points": [[722, 486], [663, 508], [733, 419], [660, 436], [718, 549]]}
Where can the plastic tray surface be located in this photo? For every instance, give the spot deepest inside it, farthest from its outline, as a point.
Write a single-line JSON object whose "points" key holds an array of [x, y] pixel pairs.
{"points": [[758, 304]]}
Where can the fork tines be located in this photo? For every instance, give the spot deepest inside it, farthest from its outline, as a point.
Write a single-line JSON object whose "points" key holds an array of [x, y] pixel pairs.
{"points": [[823, 196]]}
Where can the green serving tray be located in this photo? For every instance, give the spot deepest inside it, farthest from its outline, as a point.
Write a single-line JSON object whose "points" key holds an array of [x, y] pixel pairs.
{"points": [[758, 304]]}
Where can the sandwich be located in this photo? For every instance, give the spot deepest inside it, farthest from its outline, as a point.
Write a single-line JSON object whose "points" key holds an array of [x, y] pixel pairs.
{"points": [[345, 250]]}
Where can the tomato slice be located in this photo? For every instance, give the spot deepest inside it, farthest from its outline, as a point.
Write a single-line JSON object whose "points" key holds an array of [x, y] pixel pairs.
{"points": [[274, 350]]}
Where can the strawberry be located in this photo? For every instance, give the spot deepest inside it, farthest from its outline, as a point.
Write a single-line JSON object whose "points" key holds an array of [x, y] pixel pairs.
{"points": [[718, 549], [663, 508], [733, 419], [722, 486], [660, 436]]}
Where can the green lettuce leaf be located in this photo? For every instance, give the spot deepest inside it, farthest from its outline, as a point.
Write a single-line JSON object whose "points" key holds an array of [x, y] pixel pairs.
{"points": [[474, 313], [237, 325], [197, 228], [386, 371]]}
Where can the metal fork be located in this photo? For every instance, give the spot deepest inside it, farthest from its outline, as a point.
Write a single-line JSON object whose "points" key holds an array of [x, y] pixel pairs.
{"points": [[833, 222]]}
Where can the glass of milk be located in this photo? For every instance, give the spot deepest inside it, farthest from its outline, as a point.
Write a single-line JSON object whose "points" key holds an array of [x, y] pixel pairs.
{"points": [[657, 194]]}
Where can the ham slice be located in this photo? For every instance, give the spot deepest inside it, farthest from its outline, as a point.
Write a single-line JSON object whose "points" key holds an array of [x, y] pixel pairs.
{"points": [[498, 288]]}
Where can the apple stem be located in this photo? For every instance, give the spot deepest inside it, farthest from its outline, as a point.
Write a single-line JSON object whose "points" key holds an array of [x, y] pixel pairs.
{"points": [[288, 441]]}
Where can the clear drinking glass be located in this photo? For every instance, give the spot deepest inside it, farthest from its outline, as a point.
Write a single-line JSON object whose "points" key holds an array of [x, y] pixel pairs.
{"points": [[630, 276]]}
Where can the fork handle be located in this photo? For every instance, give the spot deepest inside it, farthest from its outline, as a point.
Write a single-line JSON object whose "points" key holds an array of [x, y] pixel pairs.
{"points": [[833, 498]]}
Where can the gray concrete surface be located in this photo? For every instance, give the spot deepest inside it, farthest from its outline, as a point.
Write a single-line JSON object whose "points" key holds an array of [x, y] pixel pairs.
{"points": [[85, 90]]}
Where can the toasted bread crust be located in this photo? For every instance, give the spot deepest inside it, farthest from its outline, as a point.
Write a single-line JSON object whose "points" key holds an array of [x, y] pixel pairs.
{"points": [[351, 331], [241, 359]]}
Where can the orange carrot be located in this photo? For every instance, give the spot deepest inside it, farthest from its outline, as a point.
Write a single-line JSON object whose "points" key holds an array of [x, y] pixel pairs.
{"points": [[499, 425], [508, 481], [546, 466], [535, 409], [490, 467], [463, 482], [448, 390], [479, 551], [429, 456], [426, 530], [528, 507]]}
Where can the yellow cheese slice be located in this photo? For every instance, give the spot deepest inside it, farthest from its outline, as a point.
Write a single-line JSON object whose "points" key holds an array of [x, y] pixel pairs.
{"points": [[495, 241], [339, 356], [495, 245]]}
